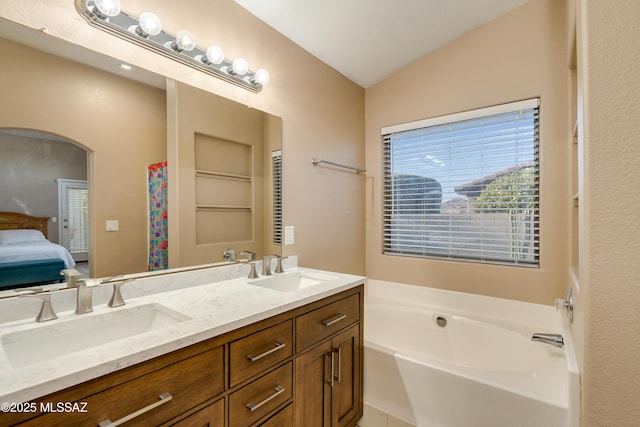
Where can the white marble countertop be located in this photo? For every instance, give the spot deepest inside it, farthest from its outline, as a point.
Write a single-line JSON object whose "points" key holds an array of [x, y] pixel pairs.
{"points": [[213, 308]]}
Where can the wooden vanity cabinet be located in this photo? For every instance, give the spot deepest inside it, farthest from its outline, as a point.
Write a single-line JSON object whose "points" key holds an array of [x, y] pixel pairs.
{"points": [[329, 375], [300, 368]]}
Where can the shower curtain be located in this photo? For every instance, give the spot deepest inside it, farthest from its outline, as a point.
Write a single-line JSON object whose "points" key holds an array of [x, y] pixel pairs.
{"points": [[158, 233]]}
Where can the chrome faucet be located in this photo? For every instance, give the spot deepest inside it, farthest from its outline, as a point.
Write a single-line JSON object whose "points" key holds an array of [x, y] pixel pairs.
{"points": [[46, 310], [266, 264], [84, 302], [555, 340], [251, 256]]}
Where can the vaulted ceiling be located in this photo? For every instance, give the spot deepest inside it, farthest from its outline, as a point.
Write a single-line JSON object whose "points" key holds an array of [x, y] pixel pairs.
{"points": [[368, 40]]}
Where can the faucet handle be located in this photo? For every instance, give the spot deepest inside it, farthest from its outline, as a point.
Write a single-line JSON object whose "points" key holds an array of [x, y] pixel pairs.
{"points": [[253, 274], [46, 311], [279, 268], [116, 298], [568, 304]]}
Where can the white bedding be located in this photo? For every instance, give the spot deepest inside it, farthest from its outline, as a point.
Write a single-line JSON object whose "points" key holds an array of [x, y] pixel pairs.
{"points": [[31, 251]]}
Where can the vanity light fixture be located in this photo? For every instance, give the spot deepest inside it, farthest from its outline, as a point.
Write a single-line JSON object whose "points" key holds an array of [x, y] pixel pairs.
{"points": [[214, 56], [148, 25], [184, 42], [106, 8], [239, 67], [146, 31]]}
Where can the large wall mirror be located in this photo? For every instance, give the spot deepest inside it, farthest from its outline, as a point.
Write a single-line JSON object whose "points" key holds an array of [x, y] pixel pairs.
{"points": [[128, 138]]}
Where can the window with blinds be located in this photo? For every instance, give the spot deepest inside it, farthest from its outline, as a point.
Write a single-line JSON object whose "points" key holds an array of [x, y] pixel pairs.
{"points": [[77, 220], [276, 164], [464, 186]]}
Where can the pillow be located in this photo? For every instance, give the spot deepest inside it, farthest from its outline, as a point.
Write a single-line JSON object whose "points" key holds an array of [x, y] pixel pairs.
{"points": [[20, 236]]}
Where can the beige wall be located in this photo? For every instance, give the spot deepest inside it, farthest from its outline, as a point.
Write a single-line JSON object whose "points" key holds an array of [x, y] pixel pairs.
{"points": [[608, 302], [517, 56], [121, 124], [322, 111]]}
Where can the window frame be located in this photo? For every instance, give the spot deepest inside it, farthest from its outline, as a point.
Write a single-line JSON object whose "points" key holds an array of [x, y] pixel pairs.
{"points": [[387, 209]]}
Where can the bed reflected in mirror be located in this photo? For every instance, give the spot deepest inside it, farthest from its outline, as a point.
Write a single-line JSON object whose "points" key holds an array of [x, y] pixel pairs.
{"points": [[27, 257]]}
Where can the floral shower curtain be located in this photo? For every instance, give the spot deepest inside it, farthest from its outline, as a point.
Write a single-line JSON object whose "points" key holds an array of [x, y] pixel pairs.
{"points": [[158, 233]]}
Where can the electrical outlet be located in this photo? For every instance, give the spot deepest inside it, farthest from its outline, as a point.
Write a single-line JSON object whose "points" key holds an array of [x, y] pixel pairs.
{"points": [[288, 235]]}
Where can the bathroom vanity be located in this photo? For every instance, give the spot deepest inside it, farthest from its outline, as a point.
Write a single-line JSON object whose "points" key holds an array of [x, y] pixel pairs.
{"points": [[277, 351]]}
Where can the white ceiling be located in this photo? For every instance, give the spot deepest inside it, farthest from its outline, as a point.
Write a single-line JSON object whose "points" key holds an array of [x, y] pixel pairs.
{"points": [[368, 40]]}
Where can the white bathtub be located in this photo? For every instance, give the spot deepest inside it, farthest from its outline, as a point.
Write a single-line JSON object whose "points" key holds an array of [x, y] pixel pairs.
{"points": [[481, 369]]}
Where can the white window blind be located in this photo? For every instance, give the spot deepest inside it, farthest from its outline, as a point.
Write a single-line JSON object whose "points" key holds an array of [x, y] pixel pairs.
{"points": [[276, 163], [77, 220], [464, 186]]}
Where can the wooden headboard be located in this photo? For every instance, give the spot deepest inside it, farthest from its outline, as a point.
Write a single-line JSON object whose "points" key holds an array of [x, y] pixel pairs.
{"points": [[17, 221]]}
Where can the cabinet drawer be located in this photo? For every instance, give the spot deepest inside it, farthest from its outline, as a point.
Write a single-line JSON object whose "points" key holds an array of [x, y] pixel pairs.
{"points": [[189, 382], [211, 416], [319, 324], [284, 418], [255, 353], [255, 400]]}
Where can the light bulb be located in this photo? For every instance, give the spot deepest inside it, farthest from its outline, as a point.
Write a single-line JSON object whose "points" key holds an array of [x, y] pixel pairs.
{"points": [[149, 25], [239, 67], [262, 77], [215, 55], [107, 7], [184, 41]]}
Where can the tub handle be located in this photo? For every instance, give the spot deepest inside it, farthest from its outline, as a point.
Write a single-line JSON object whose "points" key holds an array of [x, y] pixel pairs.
{"points": [[339, 352], [339, 317]]}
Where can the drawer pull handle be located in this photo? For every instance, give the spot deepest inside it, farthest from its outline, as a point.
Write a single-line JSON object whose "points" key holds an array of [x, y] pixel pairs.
{"points": [[331, 375], [278, 346], [339, 351], [335, 320], [253, 406], [164, 398]]}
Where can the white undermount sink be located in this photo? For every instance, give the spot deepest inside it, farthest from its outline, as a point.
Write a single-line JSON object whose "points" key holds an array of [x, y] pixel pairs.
{"points": [[291, 280], [59, 338]]}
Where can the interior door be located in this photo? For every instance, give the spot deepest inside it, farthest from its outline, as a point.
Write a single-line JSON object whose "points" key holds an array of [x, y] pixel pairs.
{"points": [[73, 211]]}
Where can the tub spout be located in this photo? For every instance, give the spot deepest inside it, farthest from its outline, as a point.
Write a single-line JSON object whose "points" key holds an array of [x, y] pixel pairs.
{"points": [[555, 340]]}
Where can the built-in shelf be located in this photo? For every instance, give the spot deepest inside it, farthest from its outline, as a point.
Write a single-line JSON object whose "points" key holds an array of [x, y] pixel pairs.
{"points": [[224, 208], [212, 174]]}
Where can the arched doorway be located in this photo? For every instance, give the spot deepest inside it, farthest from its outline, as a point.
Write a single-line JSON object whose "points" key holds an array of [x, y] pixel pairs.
{"points": [[46, 175]]}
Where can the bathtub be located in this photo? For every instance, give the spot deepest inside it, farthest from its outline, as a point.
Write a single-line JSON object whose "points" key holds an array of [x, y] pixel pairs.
{"points": [[436, 358]]}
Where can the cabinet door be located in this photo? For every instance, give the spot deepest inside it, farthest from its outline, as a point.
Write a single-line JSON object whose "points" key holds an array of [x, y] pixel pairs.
{"points": [[211, 416], [312, 403], [347, 381]]}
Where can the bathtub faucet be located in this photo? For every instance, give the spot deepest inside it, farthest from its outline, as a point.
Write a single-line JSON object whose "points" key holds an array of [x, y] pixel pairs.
{"points": [[555, 340]]}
